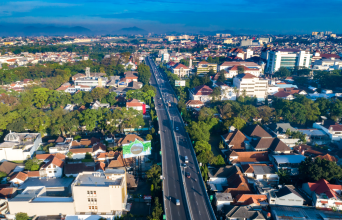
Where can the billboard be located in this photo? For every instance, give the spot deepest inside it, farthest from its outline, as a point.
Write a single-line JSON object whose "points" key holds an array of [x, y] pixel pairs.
{"points": [[136, 148], [180, 83]]}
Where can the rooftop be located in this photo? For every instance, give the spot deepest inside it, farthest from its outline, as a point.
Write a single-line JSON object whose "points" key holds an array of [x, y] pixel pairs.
{"points": [[98, 179]]}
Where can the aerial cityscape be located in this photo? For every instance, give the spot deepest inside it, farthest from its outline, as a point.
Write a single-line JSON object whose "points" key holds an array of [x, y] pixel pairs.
{"points": [[156, 109]]}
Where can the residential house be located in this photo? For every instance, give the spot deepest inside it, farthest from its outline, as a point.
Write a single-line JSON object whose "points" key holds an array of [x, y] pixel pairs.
{"points": [[290, 163], [53, 168], [287, 195], [128, 139], [324, 194], [273, 145], [252, 157], [250, 200], [234, 140], [223, 199], [8, 167], [280, 129], [250, 65], [331, 128], [19, 146], [254, 132], [6, 193], [261, 172], [242, 212], [218, 177], [237, 183], [96, 105], [131, 76], [201, 93], [137, 105], [180, 70], [194, 104], [327, 157], [18, 179]]}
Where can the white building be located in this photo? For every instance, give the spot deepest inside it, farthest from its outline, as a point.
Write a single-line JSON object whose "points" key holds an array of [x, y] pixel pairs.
{"points": [[328, 64], [248, 67], [288, 58], [251, 85], [52, 168], [331, 128], [19, 146], [180, 70]]}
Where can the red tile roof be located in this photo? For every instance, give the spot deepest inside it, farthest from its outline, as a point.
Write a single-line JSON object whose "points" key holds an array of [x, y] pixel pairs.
{"points": [[202, 90], [328, 157], [323, 186], [179, 65], [235, 138], [250, 156], [247, 199], [21, 176]]}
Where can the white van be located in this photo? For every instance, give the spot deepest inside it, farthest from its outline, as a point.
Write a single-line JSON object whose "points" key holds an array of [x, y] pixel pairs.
{"points": [[186, 160]]}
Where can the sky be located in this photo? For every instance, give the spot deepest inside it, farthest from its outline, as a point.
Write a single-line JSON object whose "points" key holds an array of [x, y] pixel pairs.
{"points": [[269, 16]]}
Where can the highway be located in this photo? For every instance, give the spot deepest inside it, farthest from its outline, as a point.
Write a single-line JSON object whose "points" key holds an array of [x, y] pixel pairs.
{"points": [[195, 199], [172, 188]]}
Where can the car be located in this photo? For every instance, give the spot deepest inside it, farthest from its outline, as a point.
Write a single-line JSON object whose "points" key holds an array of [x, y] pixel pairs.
{"points": [[184, 165], [188, 175], [177, 202], [186, 159], [177, 129]]}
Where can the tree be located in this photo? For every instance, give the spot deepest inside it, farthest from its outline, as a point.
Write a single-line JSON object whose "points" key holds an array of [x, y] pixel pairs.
{"points": [[40, 96], [111, 98], [311, 170], [221, 77], [31, 162], [2, 174], [69, 155], [35, 167], [221, 145], [202, 146], [283, 72], [219, 160], [241, 69], [237, 122], [21, 216], [144, 73], [149, 137], [216, 93], [88, 156], [284, 177], [157, 210], [211, 72], [99, 93], [198, 131]]}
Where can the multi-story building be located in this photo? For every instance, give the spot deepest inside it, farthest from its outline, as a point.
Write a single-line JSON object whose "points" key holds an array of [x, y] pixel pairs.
{"points": [[250, 85], [231, 68], [19, 146], [201, 93], [289, 58], [180, 70], [204, 67], [98, 192]]}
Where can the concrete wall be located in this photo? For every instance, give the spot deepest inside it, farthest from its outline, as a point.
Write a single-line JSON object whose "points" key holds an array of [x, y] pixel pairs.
{"points": [[42, 208]]}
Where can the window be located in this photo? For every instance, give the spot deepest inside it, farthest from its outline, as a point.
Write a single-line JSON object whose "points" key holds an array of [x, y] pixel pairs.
{"points": [[55, 171], [88, 192], [94, 192], [88, 200], [89, 207], [92, 200], [50, 171], [91, 192], [95, 200], [95, 207]]}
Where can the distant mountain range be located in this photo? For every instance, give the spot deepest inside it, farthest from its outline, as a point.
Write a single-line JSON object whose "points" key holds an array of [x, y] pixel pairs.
{"points": [[131, 30], [32, 30]]}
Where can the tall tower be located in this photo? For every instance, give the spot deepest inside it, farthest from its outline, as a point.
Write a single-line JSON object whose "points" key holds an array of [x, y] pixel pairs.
{"points": [[87, 71]]}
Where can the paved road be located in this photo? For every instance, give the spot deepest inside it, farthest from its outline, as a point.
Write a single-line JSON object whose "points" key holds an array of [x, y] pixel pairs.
{"points": [[172, 188], [195, 194]]}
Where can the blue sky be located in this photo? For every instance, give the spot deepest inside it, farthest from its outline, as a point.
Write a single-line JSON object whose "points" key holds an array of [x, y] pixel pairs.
{"points": [[291, 16]]}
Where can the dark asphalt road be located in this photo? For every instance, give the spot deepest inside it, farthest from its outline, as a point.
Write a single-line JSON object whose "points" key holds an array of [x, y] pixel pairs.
{"points": [[195, 194], [172, 187]]}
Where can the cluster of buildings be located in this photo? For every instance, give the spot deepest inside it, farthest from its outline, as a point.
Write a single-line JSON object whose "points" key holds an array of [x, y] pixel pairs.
{"points": [[66, 184], [250, 183], [25, 58]]}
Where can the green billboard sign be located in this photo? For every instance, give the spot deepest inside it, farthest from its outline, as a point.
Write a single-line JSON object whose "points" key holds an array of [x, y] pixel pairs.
{"points": [[136, 148]]}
